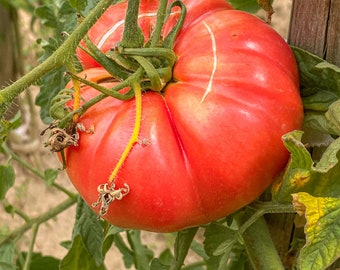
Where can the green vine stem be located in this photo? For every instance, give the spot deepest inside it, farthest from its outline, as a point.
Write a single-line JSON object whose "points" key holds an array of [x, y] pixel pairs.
{"points": [[23, 163], [132, 36], [63, 54], [27, 264], [182, 246], [257, 241], [17, 233]]}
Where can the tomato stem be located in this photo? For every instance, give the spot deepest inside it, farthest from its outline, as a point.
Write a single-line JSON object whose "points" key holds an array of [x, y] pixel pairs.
{"points": [[132, 36], [76, 88], [258, 243], [161, 12], [57, 59], [134, 137]]}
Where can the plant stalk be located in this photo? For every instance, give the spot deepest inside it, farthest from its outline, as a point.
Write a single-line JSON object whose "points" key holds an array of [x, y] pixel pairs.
{"points": [[258, 243], [132, 36], [35, 171], [17, 233], [182, 246], [27, 264], [57, 59]]}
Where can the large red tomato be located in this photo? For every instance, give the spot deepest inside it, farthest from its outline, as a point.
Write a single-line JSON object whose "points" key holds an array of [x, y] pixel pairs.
{"points": [[213, 135]]}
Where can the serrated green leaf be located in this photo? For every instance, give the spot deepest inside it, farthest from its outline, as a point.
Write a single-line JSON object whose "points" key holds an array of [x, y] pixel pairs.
{"points": [[89, 228], [7, 125], [124, 250], [7, 266], [322, 230], [332, 117], [166, 257], [156, 264], [217, 246], [316, 73], [250, 6], [79, 5], [320, 179], [7, 178], [320, 91], [40, 262], [47, 14], [52, 83], [109, 238], [79, 258], [50, 176], [7, 251], [199, 249], [141, 253]]}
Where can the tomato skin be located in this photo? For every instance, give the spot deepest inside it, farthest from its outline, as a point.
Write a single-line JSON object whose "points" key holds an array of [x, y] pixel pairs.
{"points": [[212, 139]]}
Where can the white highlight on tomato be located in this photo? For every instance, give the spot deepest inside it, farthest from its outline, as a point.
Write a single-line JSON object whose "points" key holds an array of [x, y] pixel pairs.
{"points": [[121, 22], [117, 25], [214, 50]]}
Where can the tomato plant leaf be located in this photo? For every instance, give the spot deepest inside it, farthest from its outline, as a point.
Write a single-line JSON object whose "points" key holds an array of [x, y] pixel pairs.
{"points": [[141, 253], [39, 262], [250, 6], [320, 91], [7, 251], [50, 175], [156, 264], [301, 174], [221, 245], [51, 85], [79, 258], [79, 5], [7, 125], [90, 229], [322, 230], [7, 178], [110, 235], [47, 15], [124, 250]]}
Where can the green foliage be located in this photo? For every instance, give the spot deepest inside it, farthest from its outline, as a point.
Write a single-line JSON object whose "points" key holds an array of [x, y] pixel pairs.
{"points": [[322, 230], [320, 91], [7, 178], [223, 244], [90, 229], [7, 251], [40, 262], [250, 6], [7, 125]]}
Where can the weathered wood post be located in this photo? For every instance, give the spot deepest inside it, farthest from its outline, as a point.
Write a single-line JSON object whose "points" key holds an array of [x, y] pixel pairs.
{"points": [[315, 27]]}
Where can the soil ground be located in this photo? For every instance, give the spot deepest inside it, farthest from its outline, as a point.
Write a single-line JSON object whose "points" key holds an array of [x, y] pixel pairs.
{"points": [[33, 197]]}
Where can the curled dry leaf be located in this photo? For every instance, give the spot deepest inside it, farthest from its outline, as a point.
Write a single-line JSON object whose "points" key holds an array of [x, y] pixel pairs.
{"points": [[267, 7]]}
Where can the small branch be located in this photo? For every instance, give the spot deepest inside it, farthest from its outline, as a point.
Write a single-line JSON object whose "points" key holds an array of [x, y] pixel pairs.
{"points": [[58, 58], [156, 35], [35, 171], [132, 36], [257, 241], [16, 211], [35, 229], [182, 246], [17, 233]]}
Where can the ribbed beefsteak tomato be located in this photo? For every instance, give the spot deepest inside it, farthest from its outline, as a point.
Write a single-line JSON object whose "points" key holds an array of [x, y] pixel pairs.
{"points": [[210, 142]]}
